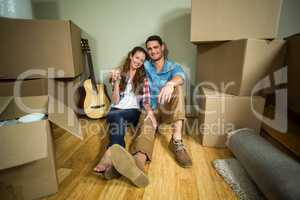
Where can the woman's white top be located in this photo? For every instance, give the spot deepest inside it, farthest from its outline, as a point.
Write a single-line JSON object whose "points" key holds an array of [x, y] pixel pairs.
{"points": [[128, 100]]}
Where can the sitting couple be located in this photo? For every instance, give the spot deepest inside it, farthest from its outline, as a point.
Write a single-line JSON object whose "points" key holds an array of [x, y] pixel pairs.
{"points": [[162, 102]]}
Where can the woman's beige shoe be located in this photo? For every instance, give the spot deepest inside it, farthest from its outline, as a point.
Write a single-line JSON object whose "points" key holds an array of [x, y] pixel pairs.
{"points": [[125, 164]]}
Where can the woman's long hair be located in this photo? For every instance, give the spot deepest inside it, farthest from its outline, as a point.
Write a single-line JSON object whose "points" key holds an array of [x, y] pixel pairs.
{"points": [[140, 75]]}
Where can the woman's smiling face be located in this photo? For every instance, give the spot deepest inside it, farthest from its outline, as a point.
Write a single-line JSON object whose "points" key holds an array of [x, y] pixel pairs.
{"points": [[137, 59]]}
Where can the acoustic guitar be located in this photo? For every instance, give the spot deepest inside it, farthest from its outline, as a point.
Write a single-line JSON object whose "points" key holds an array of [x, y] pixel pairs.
{"points": [[96, 102]]}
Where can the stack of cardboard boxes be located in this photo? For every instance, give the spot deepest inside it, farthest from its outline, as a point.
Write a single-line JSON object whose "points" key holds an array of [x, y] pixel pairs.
{"points": [[236, 51], [44, 60]]}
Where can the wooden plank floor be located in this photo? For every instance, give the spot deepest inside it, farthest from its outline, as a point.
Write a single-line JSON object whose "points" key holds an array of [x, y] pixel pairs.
{"points": [[75, 160]]}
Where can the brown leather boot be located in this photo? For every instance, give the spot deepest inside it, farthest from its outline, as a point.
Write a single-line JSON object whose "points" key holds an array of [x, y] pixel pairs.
{"points": [[180, 153]]}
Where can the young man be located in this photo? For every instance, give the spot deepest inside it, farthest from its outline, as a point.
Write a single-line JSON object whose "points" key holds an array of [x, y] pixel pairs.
{"points": [[166, 105], [167, 102]]}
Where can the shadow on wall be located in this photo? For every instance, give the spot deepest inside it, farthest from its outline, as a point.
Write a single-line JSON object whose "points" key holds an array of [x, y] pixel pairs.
{"points": [[175, 30], [93, 49], [45, 9]]}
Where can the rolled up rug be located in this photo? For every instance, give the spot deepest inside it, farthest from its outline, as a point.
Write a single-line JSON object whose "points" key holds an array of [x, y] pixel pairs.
{"points": [[276, 174]]}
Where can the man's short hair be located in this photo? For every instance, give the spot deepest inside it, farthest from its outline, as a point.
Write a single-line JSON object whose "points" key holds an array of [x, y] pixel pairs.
{"points": [[154, 38]]}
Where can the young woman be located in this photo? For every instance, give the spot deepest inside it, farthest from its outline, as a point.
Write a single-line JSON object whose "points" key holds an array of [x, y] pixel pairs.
{"points": [[128, 87]]}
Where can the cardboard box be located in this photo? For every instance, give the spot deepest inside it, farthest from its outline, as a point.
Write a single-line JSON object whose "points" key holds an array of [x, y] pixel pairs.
{"points": [[221, 113], [219, 20], [27, 167], [293, 62], [235, 67], [31, 87], [49, 47], [67, 90]]}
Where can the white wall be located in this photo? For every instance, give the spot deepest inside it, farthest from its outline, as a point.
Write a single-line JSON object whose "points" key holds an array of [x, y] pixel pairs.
{"points": [[16, 8], [290, 18]]}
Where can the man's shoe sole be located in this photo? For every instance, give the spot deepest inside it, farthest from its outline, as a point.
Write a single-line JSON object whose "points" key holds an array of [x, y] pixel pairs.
{"points": [[184, 165], [125, 165]]}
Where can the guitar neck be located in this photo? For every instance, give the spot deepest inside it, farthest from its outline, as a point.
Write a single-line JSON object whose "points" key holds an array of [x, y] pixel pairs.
{"points": [[92, 73]]}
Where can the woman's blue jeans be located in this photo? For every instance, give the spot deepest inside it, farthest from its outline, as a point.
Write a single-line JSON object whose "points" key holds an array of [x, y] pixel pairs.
{"points": [[117, 120]]}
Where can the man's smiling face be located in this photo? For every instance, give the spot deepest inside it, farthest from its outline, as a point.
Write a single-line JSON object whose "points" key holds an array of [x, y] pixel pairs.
{"points": [[155, 50]]}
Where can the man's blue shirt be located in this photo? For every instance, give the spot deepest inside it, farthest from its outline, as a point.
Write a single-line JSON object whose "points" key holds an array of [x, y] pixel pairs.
{"points": [[159, 79]]}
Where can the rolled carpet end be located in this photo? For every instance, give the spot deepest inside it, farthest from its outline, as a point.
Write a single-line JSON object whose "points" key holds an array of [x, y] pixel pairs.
{"points": [[276, 174], [230, 134]]}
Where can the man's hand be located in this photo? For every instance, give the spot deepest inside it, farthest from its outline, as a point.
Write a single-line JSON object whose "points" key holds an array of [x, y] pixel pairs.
{"points": [[151, 116], [166, 92]]}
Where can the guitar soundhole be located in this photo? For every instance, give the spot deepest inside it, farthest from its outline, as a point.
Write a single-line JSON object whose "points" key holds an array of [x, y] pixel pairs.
{"points": [[98, 106]]}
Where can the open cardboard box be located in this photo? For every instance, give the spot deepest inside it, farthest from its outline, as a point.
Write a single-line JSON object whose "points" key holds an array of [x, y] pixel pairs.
{"points": [[67, 90], [30, 87], [222, 113], [27, 167]]}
